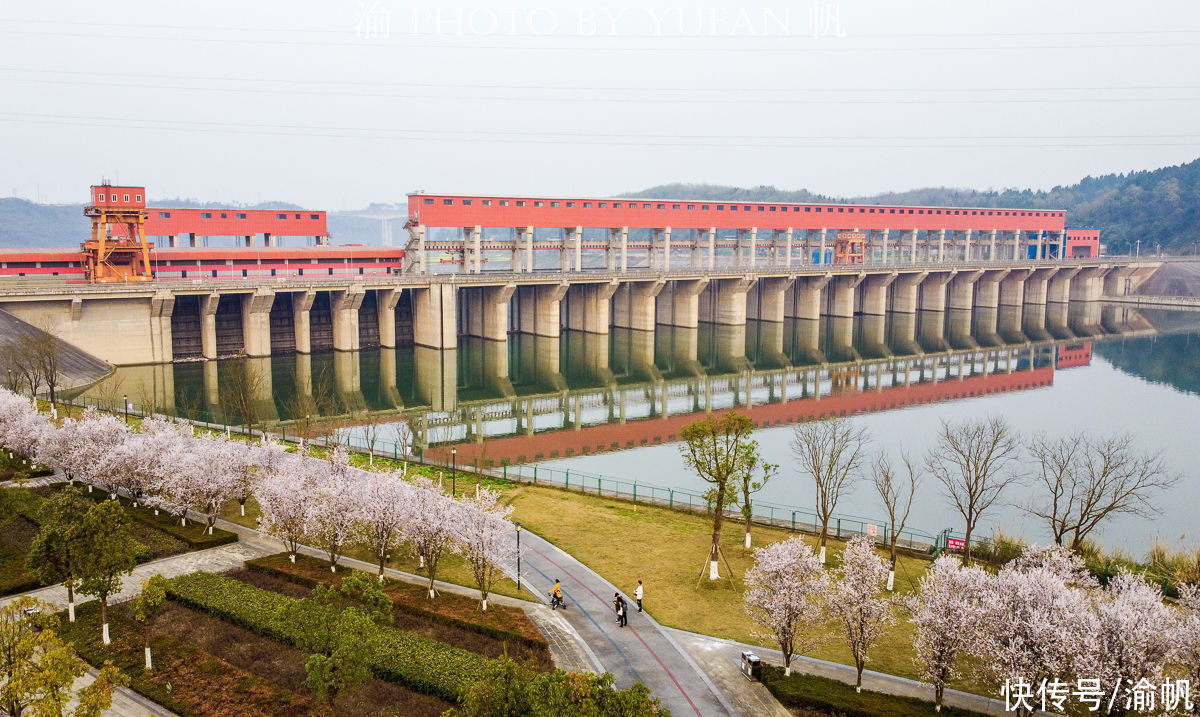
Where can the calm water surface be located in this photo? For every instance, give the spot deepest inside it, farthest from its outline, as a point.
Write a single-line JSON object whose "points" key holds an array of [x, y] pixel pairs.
{"points": [[531, 399]]}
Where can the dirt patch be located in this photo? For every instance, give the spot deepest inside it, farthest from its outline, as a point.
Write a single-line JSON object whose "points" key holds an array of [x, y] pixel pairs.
{"points": [[450, 618], [283, 666]]}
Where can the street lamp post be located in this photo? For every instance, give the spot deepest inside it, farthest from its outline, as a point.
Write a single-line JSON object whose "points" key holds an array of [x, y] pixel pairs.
{"points": [[518, 527], [453, 469], [125, 400]]}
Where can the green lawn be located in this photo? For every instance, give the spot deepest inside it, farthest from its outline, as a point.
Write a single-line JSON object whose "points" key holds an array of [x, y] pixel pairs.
{"points": [[668, 549]]}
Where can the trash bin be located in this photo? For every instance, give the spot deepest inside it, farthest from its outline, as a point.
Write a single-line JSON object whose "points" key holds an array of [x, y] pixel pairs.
{"points": [[751, 666]]}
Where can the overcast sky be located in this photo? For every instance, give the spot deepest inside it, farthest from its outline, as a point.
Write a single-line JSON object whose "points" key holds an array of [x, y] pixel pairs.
{"points": [[334, 104]]}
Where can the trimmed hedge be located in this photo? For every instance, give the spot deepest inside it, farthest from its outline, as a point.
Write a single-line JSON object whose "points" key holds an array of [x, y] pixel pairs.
{"points": [[236, 684], [191, 535], [838, 698], [401, 657], [279, 566]]}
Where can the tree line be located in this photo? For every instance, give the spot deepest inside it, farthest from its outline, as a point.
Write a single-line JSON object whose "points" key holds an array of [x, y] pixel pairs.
{"points": [[1078, 482]]}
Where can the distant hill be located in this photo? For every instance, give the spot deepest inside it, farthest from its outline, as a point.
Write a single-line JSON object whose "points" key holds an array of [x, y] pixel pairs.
{"points": [[1157, 206], [25, 224]]}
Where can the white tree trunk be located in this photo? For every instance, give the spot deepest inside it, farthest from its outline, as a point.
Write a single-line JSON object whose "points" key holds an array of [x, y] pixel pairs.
{"points": [[243, 507], [292, 557], [333, 568], [713, 574], [71, 611], [858, 688], [89, 488], [747, 539], [104, 634], [891, 580], [787, 671], [210, 530], [430, 593], [421, 561], [485, 604], [156, 511], [183, 521], [149, 662], [937, 708], [822, 554]]}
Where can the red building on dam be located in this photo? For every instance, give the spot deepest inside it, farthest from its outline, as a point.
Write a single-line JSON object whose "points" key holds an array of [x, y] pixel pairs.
{"points": [[510, 233]]}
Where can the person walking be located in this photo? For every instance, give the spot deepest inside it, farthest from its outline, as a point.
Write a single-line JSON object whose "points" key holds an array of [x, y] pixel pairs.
{"points": [[637, 595], [620, 608]]}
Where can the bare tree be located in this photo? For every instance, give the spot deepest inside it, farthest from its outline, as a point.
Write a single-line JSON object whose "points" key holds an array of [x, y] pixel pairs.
{"points": [[897, 492], [44, 350], [831, 453], [108, 391], [241, 384], [26, 365], [402, 437], [1087, 480], [974, 461]]}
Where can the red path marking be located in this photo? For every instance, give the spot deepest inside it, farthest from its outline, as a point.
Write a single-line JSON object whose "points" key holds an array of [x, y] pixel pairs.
{"points": [[635, 632]]}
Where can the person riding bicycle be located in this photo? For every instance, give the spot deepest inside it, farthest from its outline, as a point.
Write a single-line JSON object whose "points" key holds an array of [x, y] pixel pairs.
{"points": [[556, 598]]}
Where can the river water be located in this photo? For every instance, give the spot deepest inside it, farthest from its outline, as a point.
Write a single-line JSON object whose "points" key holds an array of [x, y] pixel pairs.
{"points": [[567, 403]]}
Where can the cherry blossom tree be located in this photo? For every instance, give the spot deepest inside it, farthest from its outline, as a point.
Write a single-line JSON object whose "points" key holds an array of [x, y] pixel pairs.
{"points": [[1185, 636], [83, 445], [384, 510], [1129, 636], [945, 610], [335, 504], [263, 460], [431, 530], [786, 591], [21, 427], [220, 463], [187, 470], [1033, 625], [858, 602], [282, 496], [484, 534]]}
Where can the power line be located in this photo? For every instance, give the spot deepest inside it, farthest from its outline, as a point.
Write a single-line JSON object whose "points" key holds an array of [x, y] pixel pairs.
{"points": [[533, 138], [565, 88], [835, 48], [329, 31], [610, 100]]}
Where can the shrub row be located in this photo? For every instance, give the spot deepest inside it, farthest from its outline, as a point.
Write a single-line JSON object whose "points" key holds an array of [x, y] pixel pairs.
{"points": [[302, 571], [198, 675], [192, 535], [398, 656], [811, 692]]}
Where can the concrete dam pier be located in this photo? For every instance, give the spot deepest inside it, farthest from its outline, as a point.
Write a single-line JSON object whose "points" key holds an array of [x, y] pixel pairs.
{"points": [[160, 322]]}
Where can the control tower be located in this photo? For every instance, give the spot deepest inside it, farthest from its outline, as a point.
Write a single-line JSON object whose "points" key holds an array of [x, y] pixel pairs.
{"points": [[125, 257]]}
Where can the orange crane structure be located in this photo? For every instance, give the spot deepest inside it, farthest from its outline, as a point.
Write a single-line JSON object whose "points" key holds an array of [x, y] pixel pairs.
{"points": [[126, 257]]}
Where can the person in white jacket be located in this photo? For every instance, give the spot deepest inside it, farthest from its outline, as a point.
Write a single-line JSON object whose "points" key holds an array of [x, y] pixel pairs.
{"points": [[637, 595]]}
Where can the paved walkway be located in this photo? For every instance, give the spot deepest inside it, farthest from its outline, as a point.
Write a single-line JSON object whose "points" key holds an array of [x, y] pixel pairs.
{"points": [[642, 651], [717, 654], [213, 560]]}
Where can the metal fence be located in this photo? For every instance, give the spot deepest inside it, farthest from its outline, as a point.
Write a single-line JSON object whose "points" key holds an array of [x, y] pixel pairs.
{"points": [[790, 517]]}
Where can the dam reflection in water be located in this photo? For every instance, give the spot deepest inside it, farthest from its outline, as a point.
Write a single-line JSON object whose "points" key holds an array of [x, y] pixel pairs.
{"points": [[534, 397]]}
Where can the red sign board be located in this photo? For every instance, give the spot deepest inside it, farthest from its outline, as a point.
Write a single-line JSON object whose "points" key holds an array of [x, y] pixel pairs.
{"points": [[955, 544]]}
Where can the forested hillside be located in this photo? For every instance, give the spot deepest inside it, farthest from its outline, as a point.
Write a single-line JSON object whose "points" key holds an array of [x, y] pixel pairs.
{"points": [[1159, 206]]}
